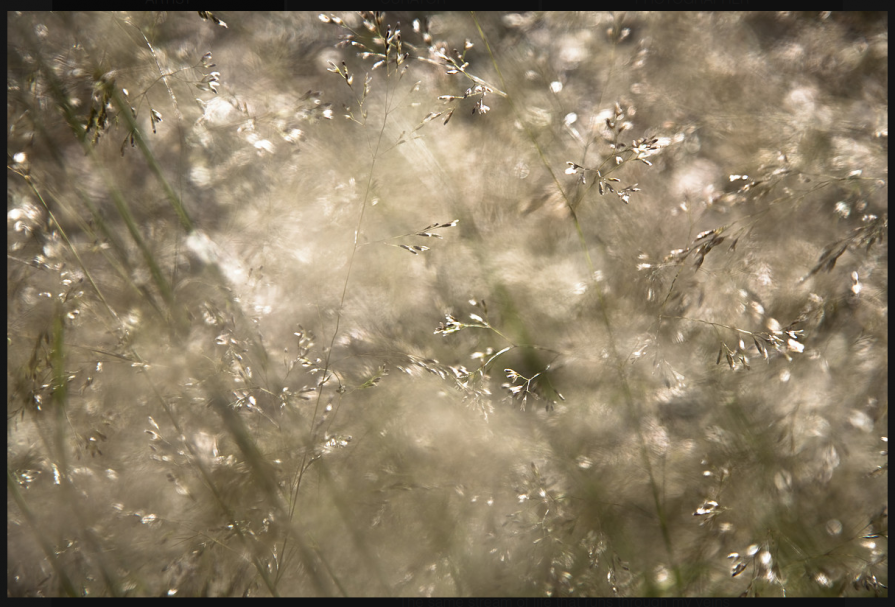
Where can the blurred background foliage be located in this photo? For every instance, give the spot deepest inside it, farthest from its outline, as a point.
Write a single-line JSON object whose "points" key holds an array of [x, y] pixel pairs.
{"points": [[222, 372]]}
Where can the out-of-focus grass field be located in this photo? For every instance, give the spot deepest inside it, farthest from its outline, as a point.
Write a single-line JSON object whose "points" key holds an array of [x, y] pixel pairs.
{"points": [[447, 304]]}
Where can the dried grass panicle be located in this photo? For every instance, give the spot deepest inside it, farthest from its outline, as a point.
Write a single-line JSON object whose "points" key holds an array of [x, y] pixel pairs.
{"points": [[875, 229], [427, 232], [397, 52], [619, 155], [704, 243], [527, 386]]}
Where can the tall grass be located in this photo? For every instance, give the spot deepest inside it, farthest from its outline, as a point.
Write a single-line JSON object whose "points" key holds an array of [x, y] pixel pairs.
{"points": [[447, 304]]}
